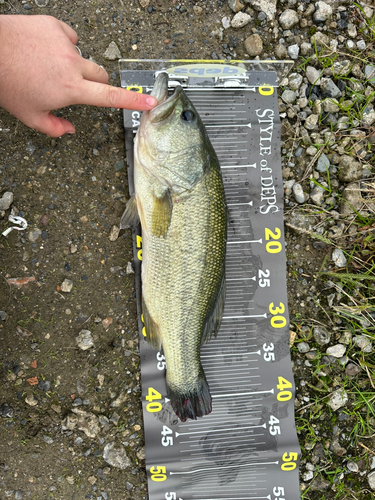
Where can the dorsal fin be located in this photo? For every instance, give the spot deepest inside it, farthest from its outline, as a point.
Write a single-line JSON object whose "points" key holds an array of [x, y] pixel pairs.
{"points": [[130, 217]]}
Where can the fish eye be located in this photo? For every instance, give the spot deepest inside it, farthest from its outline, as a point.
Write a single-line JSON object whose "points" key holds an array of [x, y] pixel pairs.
{"points": [[187, 115]]}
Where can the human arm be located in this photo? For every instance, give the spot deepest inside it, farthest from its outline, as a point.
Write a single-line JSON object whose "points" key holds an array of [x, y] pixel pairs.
{"points": [[41, 70]]}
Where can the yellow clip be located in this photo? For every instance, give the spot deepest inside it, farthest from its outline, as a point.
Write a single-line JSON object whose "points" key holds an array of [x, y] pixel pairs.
{"points": [[135, 88], [266, 90]]}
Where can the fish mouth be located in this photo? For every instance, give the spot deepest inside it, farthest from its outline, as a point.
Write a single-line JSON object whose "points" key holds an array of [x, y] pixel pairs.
{"points": [[165, 104]]}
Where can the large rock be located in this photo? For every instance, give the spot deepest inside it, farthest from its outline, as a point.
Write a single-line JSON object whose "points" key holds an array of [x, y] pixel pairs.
{"points": [[339, 259], [321, 335], [85, 340], [350, 170], [113, 52], [329, 88], [288, 19], [320, 39], [323, 163], [368, 116], [293, 51], [289, 96], [240, 20], [370, 73], [254, 45], [352, 200], [363, 342], [6, 200], [371, 480], [330, 105], [323, 12], [116, 456], [235, 5], [295, 81], [338, 399], [87, 422], [281, 51], [341, 68], [266, 6], [313, 75]]}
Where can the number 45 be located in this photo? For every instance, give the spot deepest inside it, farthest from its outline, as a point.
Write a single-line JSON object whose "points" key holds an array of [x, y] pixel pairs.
{"points": [[277, 491]]}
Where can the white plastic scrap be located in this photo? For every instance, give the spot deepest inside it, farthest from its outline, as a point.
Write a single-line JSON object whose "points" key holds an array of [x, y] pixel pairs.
{"points": [[16, 220]]}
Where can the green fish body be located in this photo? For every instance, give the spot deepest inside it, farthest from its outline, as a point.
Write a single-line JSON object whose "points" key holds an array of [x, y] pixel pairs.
{"points": [[179, 199]]}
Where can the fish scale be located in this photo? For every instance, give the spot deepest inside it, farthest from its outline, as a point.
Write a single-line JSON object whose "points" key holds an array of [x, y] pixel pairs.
{"points": [[180, 255]]}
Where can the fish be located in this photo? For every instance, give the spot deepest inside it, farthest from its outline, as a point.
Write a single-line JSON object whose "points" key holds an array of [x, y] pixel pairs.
{"points": [[180, 202]]}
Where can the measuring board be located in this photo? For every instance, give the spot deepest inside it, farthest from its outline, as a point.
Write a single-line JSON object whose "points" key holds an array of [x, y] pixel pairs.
{"points": [[247, 448]]}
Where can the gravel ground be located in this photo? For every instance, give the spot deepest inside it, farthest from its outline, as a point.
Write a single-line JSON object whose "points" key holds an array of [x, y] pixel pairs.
{"points": [[70, 412]]}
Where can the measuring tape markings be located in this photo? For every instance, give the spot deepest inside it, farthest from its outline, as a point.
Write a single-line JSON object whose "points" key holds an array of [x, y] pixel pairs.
{"points": [[235, 403]]}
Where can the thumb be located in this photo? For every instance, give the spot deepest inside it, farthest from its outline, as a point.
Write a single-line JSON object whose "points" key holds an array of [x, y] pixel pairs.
{"points": [[54, 126]]}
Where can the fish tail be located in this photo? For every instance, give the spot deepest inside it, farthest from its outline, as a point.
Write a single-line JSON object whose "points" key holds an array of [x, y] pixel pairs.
{"points": [[193, 402]]}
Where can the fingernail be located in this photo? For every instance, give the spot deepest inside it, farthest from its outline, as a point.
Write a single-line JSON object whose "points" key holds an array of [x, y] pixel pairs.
{"points": [[151, 101]]}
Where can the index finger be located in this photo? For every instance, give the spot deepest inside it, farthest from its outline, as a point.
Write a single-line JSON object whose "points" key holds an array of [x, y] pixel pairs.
{"points": [[99, 94]]}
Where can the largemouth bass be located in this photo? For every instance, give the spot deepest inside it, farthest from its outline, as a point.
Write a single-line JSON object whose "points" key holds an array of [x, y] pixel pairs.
{"points": [[179, 200]]}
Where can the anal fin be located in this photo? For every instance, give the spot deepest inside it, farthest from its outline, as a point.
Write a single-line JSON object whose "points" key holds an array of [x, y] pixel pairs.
{"points": [[152, 329], [213, 320]]}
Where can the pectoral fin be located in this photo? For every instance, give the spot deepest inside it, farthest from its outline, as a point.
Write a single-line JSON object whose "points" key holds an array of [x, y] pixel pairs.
{"points": [[161, 214], [130, 217]]}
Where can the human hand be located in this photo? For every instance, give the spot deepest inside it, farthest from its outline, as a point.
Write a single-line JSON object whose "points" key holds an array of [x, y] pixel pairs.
{"points": [[41, 70]]}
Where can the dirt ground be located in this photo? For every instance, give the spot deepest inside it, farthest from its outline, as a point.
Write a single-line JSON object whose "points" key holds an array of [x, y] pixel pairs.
{"points": [[72, 191]]}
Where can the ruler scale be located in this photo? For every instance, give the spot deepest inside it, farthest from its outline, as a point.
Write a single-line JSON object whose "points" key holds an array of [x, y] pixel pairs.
{"points": [[247, 447]]}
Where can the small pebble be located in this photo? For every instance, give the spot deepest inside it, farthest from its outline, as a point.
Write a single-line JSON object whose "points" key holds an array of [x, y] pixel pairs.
{"points": [[240, 20], [352, 370], [352, 467], [371, 480], [6, 411], [113, 235], [339, 258], [66, 286], [112, 52], [293, 51], [30, 400], [85, 340], [6, 200], [254, 45], [303, 347], [115, 455], [337, 350], [363, 342], [323, 163], [299, 195], [338, 399], [44, 385]]}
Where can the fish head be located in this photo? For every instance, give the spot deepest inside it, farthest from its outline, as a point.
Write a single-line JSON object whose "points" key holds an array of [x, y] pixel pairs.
{"points": [[171, 142]]}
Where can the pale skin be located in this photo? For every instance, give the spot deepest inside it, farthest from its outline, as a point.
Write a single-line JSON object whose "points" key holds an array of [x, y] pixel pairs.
{"points": [[41, 70]]}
